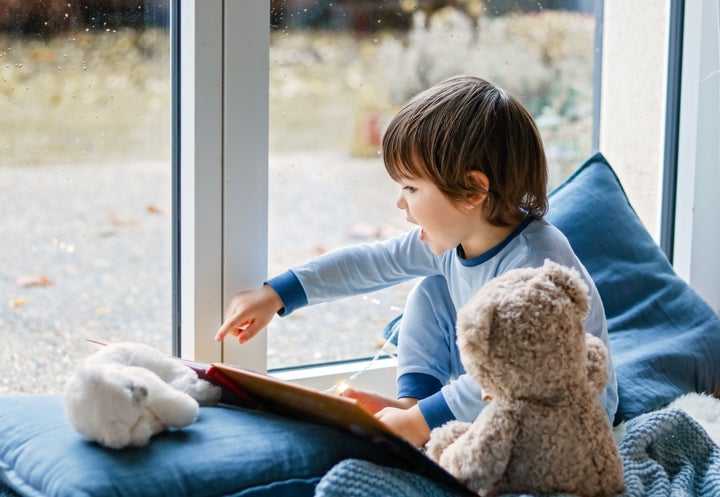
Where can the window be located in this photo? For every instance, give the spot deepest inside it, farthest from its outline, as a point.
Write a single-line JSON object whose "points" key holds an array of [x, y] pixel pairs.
{"points": [[85, 221], [93, 94]]}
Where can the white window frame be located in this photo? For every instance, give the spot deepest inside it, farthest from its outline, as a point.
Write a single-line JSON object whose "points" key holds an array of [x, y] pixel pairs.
{"points": [[200, 165], [697, 231], [223, 169]]}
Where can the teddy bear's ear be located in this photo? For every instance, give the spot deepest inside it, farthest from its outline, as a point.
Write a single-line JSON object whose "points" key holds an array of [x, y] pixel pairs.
{"points": [[569, 280]]}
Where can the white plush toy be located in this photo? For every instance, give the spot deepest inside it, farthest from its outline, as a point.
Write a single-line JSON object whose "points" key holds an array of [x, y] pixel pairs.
{"points": [[703, 408], [125, 393]]}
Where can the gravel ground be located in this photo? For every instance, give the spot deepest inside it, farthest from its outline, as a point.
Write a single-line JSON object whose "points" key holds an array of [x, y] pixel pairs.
{"points": [[91, 231], [85, 252], [353, 201]]}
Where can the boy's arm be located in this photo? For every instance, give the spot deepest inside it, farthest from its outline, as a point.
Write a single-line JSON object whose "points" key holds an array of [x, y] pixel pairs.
{"points": [[355, 270]]}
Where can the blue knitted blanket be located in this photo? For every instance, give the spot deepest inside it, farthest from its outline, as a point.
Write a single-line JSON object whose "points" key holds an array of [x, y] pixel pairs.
{"points": [[664, 453]]}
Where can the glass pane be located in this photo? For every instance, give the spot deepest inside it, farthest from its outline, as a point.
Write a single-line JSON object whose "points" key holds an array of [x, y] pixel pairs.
{"points": [[85, 227], [338, 72]]}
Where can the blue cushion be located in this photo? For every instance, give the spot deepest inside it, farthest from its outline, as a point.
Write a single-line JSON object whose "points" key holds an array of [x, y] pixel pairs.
{"points": [[227, 452], [664, 339]]}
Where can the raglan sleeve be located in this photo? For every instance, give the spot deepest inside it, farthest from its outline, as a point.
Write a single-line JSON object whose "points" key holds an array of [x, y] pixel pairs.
{"points": [[354, 270]]}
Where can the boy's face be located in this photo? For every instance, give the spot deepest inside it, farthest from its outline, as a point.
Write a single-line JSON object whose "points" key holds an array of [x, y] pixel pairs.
{"points": [[444, 224]]}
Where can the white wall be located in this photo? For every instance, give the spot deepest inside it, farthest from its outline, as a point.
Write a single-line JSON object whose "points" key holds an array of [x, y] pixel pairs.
{"points": [[632, 114], [697, 231]]}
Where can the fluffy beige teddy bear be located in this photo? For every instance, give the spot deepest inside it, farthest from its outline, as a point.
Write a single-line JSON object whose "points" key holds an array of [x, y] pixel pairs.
{"points": [[125, 393], [522, 339]]}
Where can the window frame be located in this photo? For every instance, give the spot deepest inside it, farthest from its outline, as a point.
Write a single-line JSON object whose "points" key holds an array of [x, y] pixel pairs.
{"points": [[672, 123], [696, 231], [222, 170], [199, 177]]}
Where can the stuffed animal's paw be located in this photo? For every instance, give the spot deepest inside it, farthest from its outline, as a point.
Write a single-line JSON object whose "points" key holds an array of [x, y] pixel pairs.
{"points": [[442, 437], [203, 391], [169, 406], [114, 434], [474, 465]]}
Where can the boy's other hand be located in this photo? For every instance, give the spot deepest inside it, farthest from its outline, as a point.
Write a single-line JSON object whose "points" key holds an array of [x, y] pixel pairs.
{"points": [[374, 402], [407, 423], [402, 416]]}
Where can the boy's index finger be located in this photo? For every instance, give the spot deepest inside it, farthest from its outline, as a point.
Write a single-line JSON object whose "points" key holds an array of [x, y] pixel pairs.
{"points": [[229, 325], [220, 335], [224, 330]]}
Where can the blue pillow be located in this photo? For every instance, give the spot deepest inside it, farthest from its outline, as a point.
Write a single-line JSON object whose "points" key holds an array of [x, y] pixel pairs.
{"points": [[664, 339], [227, 452]]}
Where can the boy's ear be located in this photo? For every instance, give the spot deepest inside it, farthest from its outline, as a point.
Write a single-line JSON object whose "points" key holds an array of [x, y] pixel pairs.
{"points": [[480, 180]]}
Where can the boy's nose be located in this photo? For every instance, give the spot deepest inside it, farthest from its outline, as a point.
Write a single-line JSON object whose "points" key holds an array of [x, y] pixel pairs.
{"points": [[401, 203]]}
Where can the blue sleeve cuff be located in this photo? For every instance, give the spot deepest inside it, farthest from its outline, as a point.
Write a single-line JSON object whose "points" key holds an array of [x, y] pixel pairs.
{"points": [[435, 410], [290, 291], [417, 385]]}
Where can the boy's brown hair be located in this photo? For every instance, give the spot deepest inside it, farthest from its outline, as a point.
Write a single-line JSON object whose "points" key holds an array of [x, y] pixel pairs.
{"points": [[467, 124]]}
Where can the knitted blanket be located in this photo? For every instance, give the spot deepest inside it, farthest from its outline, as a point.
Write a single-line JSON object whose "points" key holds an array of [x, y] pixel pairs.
{"points": [[664, 453]]}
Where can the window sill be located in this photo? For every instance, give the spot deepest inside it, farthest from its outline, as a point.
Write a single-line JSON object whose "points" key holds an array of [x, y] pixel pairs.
{"points": [[378, 378]]}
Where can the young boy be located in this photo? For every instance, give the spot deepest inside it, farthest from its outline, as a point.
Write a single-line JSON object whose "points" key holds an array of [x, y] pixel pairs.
{"points": [[473, 173]]}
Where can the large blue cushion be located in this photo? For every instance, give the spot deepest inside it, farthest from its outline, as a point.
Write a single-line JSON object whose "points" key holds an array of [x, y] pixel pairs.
{"points": [[227, 452], [664, 339]]}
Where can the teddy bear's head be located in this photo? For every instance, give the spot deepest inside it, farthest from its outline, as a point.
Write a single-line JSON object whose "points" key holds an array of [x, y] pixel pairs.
{"points": [[107, 403], [522, 334]]}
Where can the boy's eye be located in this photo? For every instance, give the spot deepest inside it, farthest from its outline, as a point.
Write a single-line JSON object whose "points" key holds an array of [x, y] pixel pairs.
{"points": [[410, 189]]}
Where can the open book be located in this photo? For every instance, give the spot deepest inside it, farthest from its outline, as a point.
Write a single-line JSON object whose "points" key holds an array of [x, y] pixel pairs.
{"points": [[259, 391]]}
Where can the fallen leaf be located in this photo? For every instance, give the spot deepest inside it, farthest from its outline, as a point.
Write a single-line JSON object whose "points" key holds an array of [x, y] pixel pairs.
{"points": [[118, 221], [32, 280], [14, 304], [156, 209]]}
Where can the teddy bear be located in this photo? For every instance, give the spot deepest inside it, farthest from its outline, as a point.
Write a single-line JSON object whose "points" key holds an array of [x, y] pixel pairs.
{"points": [[125, 393], [522, 339]]}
